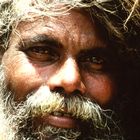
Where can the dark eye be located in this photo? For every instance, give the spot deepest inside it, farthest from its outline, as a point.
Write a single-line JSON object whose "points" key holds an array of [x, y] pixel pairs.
{"points": [[93, 62], [42, 54]]}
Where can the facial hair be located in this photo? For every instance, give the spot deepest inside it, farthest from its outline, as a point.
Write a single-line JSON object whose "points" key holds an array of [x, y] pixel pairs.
{"points": [[17, 119]]}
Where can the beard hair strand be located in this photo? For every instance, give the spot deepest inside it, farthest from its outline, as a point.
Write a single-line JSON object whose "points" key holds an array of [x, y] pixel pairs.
{"points": [[17, 118]]}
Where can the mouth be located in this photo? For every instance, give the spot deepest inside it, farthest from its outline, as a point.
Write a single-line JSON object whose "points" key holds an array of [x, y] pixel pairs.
{"points": [[61, 114], [59, 119]]}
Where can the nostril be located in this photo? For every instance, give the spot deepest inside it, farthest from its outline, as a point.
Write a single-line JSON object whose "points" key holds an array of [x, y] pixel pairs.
{"points": [[76, 93], [62, 92], [59, 90]]}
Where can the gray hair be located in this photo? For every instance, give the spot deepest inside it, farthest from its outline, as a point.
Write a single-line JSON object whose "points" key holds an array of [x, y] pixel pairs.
{"points": [[121, 18]]}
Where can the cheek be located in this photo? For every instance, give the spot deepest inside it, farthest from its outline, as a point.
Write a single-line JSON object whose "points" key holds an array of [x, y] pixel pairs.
{"points": [[100, 88], [21, 76]]}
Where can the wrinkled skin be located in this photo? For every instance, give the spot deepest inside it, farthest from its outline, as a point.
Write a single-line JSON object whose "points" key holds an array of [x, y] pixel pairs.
{"points": [[67, 54]]}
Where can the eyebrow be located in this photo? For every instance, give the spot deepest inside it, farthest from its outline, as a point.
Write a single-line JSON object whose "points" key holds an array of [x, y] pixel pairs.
{"points": [[98, 50], [104, 52], [45, 39]]}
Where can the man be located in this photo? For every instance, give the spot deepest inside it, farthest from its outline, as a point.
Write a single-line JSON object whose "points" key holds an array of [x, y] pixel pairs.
{"points": [[63, 72]]}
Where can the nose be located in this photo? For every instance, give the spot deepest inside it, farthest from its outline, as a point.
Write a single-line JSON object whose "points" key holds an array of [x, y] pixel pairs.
{"points": [[67, 78]]}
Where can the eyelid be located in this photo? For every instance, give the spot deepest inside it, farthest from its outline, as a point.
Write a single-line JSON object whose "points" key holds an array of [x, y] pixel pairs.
{"points": [[43, 48], [41, 40], [102, 53], [44, 55], [28, 46]]}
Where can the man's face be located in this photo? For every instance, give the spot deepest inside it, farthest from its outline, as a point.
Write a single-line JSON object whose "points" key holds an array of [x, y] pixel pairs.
{"points": [[66, 55]]}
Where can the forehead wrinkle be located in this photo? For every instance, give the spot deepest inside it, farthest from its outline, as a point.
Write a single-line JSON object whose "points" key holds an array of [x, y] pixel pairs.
{"points": [[67, 31], [74, 37]]}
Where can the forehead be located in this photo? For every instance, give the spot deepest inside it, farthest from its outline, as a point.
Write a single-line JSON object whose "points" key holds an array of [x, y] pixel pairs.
{"points": [[71, 29]]}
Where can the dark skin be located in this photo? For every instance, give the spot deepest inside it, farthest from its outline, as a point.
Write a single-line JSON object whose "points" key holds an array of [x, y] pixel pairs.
{"points": [[66, 53]]}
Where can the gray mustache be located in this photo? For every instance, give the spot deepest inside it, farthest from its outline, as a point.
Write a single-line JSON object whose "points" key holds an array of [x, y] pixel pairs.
{"points": [[44, 102]]}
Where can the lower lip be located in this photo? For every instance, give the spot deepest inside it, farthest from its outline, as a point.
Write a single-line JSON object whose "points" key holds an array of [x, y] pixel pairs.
{"points": [[61, 122]]}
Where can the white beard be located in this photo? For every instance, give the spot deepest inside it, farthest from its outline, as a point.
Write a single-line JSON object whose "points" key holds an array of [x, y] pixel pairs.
{"points": [[16, 119]]}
